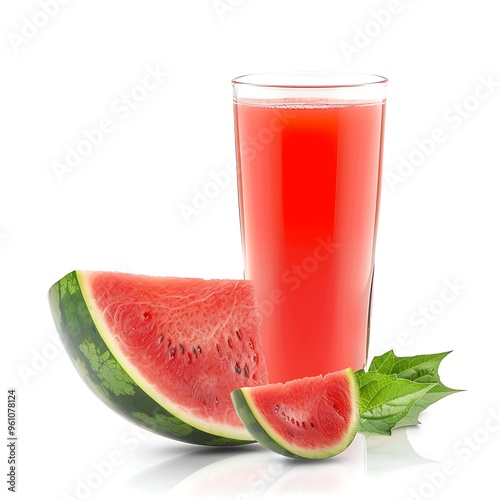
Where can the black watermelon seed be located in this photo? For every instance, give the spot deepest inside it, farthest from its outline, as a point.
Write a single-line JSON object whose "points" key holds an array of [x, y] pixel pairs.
{"points": [[246, 372], [181, 348], [238, 334], [237, 368]]}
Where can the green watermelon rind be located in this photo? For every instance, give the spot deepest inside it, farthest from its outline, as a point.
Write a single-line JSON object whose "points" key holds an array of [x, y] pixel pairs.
{"points": [[262, 431], [106, 376]]}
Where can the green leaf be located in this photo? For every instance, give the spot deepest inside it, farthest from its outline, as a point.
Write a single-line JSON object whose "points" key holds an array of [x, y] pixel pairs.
{"points": [[416, 368], [423, 369], [386, 400]]}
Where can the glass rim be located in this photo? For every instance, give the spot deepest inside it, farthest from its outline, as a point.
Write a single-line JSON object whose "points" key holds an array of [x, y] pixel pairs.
{"points": [[325, 80]]}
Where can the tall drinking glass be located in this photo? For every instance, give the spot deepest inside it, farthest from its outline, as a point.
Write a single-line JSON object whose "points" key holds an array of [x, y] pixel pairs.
{"points": [[309, 158]]}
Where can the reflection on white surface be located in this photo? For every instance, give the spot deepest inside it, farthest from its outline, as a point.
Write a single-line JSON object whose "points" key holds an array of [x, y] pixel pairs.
{"points": [[252, 471], [388, 453]]}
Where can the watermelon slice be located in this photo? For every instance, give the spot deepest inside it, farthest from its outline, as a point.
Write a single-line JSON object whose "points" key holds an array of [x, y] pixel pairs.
{"points": [[164, 352], [312, 417]]}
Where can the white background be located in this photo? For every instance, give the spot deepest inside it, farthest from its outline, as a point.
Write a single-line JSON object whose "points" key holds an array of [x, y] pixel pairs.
{"points": [[119, 209]]}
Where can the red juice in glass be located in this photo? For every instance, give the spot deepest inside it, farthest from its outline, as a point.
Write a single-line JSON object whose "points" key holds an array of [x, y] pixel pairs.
{"points": [[309, 171]]}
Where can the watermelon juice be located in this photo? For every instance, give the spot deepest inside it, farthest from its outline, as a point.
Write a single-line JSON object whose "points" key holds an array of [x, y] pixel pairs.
{"points": [[309, 174]]}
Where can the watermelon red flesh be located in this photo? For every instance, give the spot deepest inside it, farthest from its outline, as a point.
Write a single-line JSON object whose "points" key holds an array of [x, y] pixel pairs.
{"points": [[313, 417], [323, 419], [189, 341]]}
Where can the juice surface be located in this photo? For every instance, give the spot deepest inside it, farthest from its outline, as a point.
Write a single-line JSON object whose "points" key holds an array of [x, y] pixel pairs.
{"points": [[309, 180]]}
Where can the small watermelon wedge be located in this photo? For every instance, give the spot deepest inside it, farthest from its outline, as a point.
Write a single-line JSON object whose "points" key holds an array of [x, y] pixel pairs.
{"points": [[165, 353], [312, 417]]}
